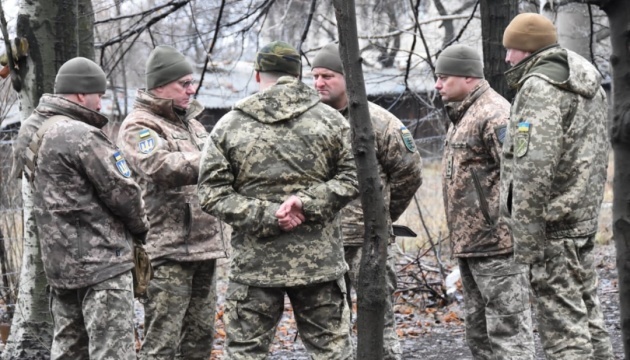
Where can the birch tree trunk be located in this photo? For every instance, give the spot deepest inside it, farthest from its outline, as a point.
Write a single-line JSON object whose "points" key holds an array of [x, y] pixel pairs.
{"points": [[573, 31], [372, 290]]}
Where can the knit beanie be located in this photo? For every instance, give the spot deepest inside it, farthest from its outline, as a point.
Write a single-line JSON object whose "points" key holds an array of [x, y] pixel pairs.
{"points": [[165, 65], [459, 60], [278, 56], [80, 76], [328, 57], [529, 32]]}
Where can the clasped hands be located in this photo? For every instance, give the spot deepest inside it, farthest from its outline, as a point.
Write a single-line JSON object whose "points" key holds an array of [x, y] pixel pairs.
{"points": [[290, 213]]}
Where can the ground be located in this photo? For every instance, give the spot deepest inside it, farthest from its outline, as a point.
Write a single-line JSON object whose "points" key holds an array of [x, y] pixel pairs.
{"points": [[438, 333]]}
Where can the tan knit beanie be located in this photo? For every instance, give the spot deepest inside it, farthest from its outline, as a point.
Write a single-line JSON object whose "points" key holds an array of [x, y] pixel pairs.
{"points": [[529, 32]]}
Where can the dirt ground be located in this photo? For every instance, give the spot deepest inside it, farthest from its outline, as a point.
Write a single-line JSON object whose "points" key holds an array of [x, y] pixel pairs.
{"points": [[438, 333]]}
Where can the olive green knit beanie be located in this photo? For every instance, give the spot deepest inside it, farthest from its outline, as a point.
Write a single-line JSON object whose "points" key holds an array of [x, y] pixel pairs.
{"points": [[529, 32], [459, 60], [278, 56], [328, 57], [80, 76], [165, 65]]}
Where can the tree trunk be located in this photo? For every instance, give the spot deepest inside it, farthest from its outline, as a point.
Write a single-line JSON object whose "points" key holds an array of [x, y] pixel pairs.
{"points": [[572, 32], [52, 30], [371, 292], [618, 12], [496, 14]]}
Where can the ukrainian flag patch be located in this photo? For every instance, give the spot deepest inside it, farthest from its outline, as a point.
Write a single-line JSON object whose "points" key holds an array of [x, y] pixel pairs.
{"points": [[121, 164], [147, 141]]}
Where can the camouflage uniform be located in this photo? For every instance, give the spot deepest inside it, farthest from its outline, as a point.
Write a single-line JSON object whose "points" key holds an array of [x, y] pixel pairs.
{"points": [[163, 147], [496, 289], [87, 208], [278, 142], [552, 182], [400, 168]]}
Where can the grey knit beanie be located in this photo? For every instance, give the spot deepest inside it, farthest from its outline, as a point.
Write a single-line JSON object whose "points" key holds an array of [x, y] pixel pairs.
{"points": [[164, 65], [328, 57], [459, 60], [80, 76]]}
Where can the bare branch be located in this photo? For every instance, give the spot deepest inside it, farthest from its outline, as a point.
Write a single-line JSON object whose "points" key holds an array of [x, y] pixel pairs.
{"points": [[211, 48]]}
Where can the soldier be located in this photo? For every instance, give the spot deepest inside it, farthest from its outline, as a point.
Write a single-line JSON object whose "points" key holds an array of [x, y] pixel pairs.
{"points": [[87, 209], [496, 289], [163, 142], [400, 168], [278, 168], [552, 182]]}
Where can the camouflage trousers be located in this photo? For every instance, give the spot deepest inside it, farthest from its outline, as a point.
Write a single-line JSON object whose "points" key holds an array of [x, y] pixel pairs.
{"points": [[94, 322], [570, 319], [498, 313], [179, 311], [391, 344], [321, 314]]}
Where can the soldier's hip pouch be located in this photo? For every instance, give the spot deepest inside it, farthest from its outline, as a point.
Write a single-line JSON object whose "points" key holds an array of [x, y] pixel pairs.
{"points": [[142, 271]]}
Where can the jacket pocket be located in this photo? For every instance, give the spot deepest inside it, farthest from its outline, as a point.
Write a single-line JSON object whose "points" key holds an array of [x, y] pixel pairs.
{"points": [[483, 201]]}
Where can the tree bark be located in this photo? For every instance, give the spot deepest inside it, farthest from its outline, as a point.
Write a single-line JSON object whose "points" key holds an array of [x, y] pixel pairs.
{"points": [[496, 14], [572, 32], [371, 292]]}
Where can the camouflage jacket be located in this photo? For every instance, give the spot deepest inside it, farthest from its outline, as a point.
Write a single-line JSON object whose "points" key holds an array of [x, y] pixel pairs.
{"points": [[163, 149], [470, 173], [555, 151], [400, 169], [275, 143], [85, 203]]}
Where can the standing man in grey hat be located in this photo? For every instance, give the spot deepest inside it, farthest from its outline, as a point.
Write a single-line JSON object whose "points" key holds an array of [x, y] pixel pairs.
{"points": [[400, 168], [552, 183], [278, 168], [163, 142], [496, 289], [87, 209]]}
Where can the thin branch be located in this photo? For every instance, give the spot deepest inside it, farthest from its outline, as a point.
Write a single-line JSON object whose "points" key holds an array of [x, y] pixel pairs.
{"points": [[461, 31], [306, 28], [211, 48], [141, 14]]}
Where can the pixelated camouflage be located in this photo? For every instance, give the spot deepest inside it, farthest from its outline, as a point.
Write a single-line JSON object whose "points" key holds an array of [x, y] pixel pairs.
{"points": [[279, 142], [95, 322], [470, 174], [163, 150], [552, 180], [86, 209], [554, 187], [399, 167], [278, 56]]}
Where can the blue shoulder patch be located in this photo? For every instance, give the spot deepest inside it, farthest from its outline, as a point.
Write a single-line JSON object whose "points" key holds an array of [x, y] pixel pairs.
{"points": [[121, 165], [500, 132]]}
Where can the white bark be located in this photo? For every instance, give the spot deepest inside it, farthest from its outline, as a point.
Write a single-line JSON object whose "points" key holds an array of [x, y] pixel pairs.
{"points": [[573, 30]]}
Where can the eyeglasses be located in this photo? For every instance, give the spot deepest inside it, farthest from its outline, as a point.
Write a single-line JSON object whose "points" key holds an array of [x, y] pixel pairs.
{"points": [[188, 83]]}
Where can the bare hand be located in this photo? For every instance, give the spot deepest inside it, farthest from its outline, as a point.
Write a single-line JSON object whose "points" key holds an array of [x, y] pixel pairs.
{"points": [[290, 213]]}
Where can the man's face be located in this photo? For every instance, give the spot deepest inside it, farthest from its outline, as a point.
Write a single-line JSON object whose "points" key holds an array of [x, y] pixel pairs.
{"points": [[92, 101], [331, 87], [514, 56], [451, 88], [179, 90]]}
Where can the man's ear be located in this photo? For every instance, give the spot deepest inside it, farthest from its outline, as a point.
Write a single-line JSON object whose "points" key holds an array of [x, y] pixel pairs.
{"points": [[258, 77]]}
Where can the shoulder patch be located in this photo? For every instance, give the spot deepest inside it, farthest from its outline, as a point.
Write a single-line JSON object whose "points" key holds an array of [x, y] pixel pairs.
{"points": [[121, 164], [522, 139], [500, 132], [146, 141], [410, 144]]}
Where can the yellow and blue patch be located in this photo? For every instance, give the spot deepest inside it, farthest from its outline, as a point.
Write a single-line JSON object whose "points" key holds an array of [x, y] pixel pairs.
{"points": [[121, 164], [147, 141], [410, 144], [522, 139]]}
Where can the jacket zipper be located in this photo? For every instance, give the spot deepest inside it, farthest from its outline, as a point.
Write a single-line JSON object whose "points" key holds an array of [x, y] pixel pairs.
{"points": [[483, 202]]}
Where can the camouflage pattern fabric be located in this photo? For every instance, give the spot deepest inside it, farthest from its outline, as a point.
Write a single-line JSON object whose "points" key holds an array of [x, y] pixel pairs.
{"points": [[94, 322], [163, 148], [278, 56], [391, 344], [570, 320], [86, 205], [278, 142], [321, 313], [400, 168], [470, 174], [552, 180], [179, 311], [498, 314]]}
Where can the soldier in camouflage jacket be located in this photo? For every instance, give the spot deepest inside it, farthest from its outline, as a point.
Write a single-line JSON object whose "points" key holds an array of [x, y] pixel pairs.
{"points": [[87, 209], [163, 142], [280, 142], [400, 169], [552, 183], [496, 289]]}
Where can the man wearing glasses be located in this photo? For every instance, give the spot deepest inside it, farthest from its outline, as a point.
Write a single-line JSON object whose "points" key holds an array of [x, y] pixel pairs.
{"points": [[162, 142]]}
